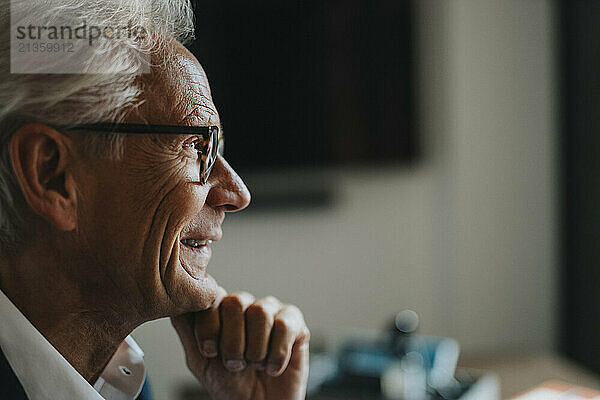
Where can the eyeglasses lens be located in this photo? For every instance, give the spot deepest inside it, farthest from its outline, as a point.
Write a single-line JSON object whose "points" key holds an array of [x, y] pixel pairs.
{"points": [[212, 151]]}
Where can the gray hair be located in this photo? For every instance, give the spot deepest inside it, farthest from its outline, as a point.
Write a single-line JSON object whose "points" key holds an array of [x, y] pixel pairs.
{"points": [[70, 99]]}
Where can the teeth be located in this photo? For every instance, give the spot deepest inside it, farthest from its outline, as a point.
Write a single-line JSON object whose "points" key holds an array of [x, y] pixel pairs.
{"points": [[195, 243]]}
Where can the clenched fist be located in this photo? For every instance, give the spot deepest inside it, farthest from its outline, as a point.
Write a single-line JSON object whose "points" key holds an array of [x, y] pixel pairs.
{"points": [[247, 349]]}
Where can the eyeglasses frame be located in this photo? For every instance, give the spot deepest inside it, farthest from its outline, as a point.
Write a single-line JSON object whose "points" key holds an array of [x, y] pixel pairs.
{"points": [[210, 134]]}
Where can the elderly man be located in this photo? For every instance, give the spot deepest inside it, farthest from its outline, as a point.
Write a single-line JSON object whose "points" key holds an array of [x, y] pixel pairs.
{"points": [[112, 191]]}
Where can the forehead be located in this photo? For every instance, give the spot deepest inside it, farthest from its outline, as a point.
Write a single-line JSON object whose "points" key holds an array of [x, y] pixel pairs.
{"points": [[177, 92]]}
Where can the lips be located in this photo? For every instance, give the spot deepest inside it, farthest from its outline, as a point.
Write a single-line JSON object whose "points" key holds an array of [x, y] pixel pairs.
{"points": [[196, 243], [196, 253]]}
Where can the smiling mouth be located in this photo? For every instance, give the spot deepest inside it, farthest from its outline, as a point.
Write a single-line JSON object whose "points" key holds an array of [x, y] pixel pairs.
{"points": [[195, 256], [196, 244]]}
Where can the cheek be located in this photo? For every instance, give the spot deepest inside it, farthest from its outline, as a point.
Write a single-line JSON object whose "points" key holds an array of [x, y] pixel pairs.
{"points": [[171, 213], [191, 198], [108, 215], [166, 193], [179, 209], [160, 167]]}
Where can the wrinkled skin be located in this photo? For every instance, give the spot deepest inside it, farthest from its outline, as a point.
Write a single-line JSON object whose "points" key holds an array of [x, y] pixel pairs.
{"points": [[273, 348], [113, 239], [253, 333]]}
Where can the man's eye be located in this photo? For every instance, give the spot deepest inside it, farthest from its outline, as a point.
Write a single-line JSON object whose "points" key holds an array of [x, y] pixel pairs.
{"points": [[198, 145]]}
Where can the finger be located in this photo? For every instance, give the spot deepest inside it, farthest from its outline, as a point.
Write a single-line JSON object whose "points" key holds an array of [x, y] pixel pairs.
{"points": [[259, 322], [233, 336], [207, 326], [288, 327], [184, 326]]}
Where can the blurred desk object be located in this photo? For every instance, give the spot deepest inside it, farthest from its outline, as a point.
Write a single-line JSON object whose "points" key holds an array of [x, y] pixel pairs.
{"points": [[475, 387], [480, 388], [396, 363], [519, 372]]}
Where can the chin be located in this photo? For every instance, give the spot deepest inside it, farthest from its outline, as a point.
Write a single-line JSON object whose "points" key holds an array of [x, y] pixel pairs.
{"points": [[190, 293], [204, 291]]}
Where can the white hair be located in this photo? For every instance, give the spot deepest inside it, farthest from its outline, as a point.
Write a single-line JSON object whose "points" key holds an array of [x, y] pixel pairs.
{"points": [[71, 99]]}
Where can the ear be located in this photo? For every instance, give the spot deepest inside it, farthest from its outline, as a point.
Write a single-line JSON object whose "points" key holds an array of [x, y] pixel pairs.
{"points": [[40, 159]]}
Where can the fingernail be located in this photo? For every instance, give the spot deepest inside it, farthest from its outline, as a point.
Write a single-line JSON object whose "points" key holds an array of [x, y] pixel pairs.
{"points": [[272, 368], [235, 365], [209, 348]]}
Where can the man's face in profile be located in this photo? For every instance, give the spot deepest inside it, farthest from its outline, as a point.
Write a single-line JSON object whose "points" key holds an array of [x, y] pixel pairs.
{"points": [[151, 221], [118, 190]]}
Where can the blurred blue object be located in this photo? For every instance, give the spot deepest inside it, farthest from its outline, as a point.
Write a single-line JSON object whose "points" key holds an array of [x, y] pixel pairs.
{"points": [[359, 365]]}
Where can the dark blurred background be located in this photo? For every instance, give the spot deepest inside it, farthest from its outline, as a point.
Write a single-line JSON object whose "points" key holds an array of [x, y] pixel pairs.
{"points": [[436, 155], [310, 83], [580, 183]]}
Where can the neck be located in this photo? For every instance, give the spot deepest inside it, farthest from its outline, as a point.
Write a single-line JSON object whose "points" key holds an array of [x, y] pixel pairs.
{"points": [[66, 314]]}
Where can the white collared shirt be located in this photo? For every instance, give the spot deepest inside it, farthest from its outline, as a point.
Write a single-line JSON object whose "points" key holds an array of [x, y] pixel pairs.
{"points": [[46, 375]]}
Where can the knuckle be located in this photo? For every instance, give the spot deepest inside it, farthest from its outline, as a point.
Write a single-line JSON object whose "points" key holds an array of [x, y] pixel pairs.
{"points": [[257, 312], [221, 292], [281, 325], [243, 297], [232, 304], [306, 334], [270, 299], [293, 317], [294, 310]]}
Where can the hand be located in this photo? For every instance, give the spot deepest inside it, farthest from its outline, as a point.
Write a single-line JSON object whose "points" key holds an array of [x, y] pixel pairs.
{"points": [[247, 349]]}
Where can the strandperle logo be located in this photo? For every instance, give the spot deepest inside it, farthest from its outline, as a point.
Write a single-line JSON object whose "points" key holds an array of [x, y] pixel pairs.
{"points": [[82, 32], [49, 43]]}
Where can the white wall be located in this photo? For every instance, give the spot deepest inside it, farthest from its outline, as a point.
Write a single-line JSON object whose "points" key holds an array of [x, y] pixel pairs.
{"points": [[502, 173], [466, 237]]}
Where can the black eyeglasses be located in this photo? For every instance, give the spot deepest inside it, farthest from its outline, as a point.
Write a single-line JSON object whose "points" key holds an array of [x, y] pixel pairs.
{"points": [[211, 145]]}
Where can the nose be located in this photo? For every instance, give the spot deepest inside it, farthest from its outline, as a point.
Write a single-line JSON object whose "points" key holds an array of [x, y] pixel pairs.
{"points": [[227, 190]]}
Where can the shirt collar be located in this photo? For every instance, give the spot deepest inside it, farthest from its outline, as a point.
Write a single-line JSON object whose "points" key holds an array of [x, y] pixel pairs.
{"points": [[46, 375], [124, 376]]}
